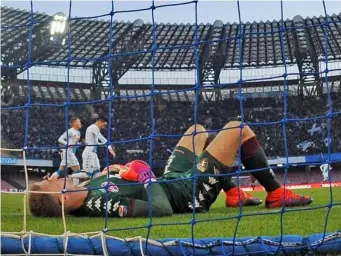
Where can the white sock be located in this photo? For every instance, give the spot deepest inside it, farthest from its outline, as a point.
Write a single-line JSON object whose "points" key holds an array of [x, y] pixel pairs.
{"points": [[79, 175]]}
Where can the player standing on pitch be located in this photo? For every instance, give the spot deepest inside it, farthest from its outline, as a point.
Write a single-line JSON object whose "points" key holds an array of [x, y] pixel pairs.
{"points": [[69, 160], [93, 137], [325, 169]]}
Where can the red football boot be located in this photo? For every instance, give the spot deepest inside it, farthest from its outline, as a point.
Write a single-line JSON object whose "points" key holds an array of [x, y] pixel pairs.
{"points": [[275, 199], [235, 198]]}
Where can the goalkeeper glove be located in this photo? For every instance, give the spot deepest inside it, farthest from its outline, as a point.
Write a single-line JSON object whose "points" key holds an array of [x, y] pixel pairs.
{"points": [[138, 171]]}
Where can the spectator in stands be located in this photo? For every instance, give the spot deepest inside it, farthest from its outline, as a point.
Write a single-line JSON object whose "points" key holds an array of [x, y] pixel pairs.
{"points": [[131, 120]]}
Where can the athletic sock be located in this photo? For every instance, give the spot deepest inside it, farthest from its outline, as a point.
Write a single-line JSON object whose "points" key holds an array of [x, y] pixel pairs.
{"points": [[95, 173], [228, 184], [58, 173], [253, 157], [79, 175]]}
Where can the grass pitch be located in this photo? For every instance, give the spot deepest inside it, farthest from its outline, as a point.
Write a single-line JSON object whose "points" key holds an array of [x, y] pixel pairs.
{"points": [[219, 222]]}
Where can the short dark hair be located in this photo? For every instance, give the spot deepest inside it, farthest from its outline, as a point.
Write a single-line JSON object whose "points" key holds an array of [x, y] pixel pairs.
{"points": [[73, 119], [102, 118], [43, 205]]}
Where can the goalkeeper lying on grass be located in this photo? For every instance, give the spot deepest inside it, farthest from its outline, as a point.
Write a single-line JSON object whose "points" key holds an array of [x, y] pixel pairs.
{"points": [[170, 195]]}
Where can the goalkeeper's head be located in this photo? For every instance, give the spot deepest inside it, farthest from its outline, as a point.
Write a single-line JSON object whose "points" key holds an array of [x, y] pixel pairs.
{"points": [[45, 199]]}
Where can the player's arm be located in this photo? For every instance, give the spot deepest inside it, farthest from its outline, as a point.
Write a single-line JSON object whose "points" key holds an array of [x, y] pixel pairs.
{"points": [[114, 168], [140, 208], [103, 141], [118, 205], [155, 197], [62, 139]]}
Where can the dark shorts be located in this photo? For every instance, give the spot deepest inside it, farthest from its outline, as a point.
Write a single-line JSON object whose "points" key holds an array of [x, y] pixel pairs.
{"points": [[179, 164], [179, 173]]}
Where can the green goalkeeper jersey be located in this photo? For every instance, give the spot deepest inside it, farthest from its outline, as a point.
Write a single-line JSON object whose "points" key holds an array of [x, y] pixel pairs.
{"points": [[123, 199], [130, 199]]}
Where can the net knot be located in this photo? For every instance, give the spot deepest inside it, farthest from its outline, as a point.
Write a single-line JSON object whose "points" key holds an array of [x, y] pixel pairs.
{"points": [[111, 98], [196, 44]]}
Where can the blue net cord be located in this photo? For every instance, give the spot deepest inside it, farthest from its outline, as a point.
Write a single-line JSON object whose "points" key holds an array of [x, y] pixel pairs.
{"points": [[101, 244], [330, 110], [240, 94], [110, 106], [195, 117], [68, 96], [324, 242], [28, 65], [152, 120], [284, 120]]}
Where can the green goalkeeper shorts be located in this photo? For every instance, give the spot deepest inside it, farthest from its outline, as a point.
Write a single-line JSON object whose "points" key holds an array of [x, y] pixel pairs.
{"points": [[179, 164]]}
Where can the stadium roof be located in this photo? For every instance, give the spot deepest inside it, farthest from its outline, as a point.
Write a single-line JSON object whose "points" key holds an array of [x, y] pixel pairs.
{"points": [[218, 43]]}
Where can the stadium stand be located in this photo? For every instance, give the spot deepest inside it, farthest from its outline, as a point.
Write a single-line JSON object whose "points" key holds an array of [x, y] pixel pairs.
{"points": [[174, 112], [6, 186], [172, 117], [213, 50]]}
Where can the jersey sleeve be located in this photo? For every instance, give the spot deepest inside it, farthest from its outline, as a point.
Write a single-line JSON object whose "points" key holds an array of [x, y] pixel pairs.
{"points": [[99, 135], [322, 168], [99, 203], [62, 139]]}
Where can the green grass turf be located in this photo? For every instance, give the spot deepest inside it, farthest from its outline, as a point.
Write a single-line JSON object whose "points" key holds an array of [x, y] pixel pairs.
{"points": [[303, 223]]}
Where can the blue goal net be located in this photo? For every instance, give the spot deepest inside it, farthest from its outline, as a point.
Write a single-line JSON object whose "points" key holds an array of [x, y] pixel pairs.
{"points": [[299, 57]]}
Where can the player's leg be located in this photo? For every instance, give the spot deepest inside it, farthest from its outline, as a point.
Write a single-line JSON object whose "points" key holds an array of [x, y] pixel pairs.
{"points": [[70, 160], [189, 146], [88, 165], [74, 165], [182, 160], [199, 135], [97, 166], [220, 154], [57, 174], [62, 167]]}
